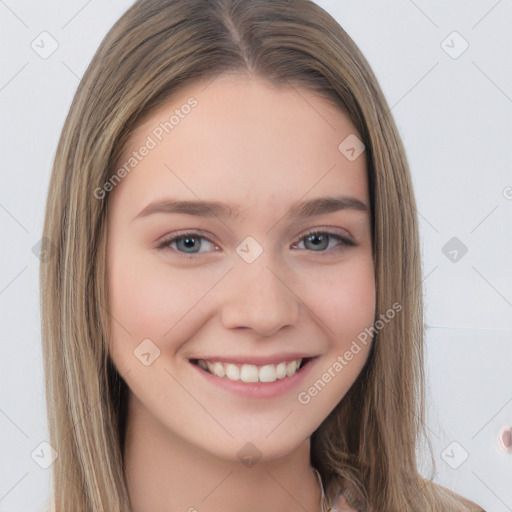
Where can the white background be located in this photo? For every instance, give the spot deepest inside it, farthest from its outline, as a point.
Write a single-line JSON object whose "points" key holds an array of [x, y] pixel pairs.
{"points": [[455, 117]]}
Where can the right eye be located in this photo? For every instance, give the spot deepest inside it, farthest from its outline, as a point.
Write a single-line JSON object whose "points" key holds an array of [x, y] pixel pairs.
{"points": [[188, 243]]}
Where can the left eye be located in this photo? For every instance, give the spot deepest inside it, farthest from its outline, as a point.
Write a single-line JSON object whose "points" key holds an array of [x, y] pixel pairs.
{"points": [[319, 241]]}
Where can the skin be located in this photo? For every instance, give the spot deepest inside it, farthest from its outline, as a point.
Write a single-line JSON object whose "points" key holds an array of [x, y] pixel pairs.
{"points": [[261, 148]]}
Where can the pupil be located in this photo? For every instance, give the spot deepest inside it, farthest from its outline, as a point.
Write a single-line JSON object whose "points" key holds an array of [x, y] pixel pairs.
{"points": [[188, 243], [318, 241]]}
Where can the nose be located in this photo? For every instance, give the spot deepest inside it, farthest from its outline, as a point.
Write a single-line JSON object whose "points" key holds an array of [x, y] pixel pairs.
{"points": [[260, 299]]}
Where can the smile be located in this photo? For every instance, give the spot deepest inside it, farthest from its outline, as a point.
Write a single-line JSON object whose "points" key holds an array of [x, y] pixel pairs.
{"points": [[251, 372]]}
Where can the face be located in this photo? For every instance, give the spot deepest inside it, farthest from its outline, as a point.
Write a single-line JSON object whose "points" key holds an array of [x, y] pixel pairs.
{"points": [[240, 266]]}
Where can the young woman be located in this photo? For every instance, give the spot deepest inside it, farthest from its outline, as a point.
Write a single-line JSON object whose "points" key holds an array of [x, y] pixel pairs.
{"points": [[233, 315]]}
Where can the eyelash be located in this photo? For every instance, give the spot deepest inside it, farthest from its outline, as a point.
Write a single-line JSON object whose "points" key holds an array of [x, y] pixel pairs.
{"points": [[343, 241]]}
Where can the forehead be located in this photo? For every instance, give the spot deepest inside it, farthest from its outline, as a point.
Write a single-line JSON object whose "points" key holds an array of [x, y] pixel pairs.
{"points": [[242, 140]]}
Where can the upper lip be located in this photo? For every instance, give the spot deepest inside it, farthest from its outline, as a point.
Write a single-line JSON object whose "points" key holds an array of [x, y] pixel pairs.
{"points": [[258, 361]]}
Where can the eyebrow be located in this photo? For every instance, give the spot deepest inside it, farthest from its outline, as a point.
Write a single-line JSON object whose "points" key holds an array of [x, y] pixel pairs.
{"points": [[310, 208]]}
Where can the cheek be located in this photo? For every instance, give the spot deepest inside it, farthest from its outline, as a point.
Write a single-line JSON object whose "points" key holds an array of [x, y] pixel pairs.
{"points": [[144, 302], [343, 297], [345, 302], [148, 299], [353, 306]]}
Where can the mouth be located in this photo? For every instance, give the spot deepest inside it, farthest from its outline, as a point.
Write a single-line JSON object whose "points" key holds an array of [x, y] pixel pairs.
{"points": [[252, 373]]}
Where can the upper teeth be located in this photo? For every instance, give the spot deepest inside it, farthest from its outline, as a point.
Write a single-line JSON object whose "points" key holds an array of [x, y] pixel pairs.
{"points": [[251, 372]]}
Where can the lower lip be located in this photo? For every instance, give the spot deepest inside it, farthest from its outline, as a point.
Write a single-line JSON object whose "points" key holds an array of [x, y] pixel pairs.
{"points": [[258, 389]]}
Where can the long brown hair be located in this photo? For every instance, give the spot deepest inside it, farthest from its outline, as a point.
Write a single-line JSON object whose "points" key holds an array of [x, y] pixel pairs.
{"points": [[158, 47]]}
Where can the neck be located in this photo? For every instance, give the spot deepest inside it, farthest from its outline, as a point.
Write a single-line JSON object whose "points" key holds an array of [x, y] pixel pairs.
{"points": [[165, 473]]}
